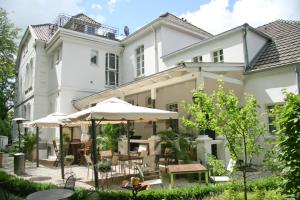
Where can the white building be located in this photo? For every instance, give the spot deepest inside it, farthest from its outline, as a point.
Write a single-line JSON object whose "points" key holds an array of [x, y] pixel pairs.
{"points": [[79, 63]]}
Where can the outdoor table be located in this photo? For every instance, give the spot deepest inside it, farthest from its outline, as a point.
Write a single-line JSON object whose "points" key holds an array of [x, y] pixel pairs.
{"points": [[135, 189], [52, 194], [186, 169]]}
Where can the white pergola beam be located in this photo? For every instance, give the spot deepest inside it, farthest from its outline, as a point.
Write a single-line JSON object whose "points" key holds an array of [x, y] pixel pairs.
{"points": [[222, 77]]}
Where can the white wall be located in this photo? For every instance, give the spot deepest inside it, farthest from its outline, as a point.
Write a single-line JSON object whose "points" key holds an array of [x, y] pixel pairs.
{"points": [[77, 72], [254, 43], [128, 62], [173, 40], [232, 46], [267, 88]]}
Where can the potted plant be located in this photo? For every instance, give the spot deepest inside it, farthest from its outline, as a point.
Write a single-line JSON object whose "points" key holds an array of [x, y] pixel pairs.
{"points": [[29, 142]]}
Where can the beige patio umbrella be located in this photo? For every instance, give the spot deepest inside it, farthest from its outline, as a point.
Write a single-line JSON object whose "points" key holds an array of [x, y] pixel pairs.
{"points": [[114, 109], [53, 120]]}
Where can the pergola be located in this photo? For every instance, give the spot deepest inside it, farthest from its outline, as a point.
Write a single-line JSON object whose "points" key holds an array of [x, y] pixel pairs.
{"points": [[116, 110]]}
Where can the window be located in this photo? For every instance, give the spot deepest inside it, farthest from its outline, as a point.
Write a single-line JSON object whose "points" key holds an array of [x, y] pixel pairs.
{"points": [[218, 56], [140, 66], [94, 57], [197, 59], [271, 119], [90, 30], [172, 123], [172, 107], [111, 69]]}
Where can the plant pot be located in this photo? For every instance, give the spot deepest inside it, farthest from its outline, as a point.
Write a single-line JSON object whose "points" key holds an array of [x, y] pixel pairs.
{"points": [[1, 159]]}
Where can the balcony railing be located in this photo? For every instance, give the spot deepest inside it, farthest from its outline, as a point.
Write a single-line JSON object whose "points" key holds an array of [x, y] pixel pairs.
{"points": [[88, 27]]}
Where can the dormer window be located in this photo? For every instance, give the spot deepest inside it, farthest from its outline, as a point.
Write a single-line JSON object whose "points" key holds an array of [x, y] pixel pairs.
{"points": [[140, 66], [91, 30], [197, 59], [218, 56]]}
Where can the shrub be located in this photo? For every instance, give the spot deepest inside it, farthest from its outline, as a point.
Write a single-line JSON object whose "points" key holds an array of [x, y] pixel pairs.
{"points": [[217, 166], [288, 121], [23, 188]]}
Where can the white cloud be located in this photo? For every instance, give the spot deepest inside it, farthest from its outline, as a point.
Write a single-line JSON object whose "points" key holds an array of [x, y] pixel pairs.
{"points": [[216, 17], [111, 5], [23, 13], [96, 6]]}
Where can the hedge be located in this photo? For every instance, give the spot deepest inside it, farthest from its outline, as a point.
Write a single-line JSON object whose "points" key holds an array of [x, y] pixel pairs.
{"points": [[23, 188]]}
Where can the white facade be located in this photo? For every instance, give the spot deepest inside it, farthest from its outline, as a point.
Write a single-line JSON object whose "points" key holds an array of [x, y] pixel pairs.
{"points": [[64, 78]]}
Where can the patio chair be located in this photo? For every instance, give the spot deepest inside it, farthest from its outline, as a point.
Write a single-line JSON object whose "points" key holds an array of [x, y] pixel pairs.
{"points": [[57, 153], [84, 151], [90, 164], [167, 158], [70, 181], [221, 179], [151, 182]]}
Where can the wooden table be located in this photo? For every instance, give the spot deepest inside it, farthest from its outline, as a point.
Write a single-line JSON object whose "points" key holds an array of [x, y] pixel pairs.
{"points": [[186, 169], [52, 194]]}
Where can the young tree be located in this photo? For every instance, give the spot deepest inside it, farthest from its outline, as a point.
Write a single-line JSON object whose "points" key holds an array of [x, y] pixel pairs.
{"points": [[288, 136], [223, 113], [8, 48]]}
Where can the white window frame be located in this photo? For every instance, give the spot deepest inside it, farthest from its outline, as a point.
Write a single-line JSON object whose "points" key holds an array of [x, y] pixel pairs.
{"points": [[218, 56], [270, 118], [108, 69], [94, 53], [140, 61]]}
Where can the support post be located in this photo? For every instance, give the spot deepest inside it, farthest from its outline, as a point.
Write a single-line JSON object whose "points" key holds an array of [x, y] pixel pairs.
{"points": [[37, 147], [61, 147], [72, 133], [95, 157], [153, 99], [154, 123], [19, 135], [128, 138]]}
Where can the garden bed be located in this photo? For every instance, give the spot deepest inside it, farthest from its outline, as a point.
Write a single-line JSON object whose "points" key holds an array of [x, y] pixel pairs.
{"points": [[22, 188]]}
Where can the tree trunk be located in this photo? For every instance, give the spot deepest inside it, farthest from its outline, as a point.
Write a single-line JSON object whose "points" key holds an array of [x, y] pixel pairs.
{"points": [[245, 169]]}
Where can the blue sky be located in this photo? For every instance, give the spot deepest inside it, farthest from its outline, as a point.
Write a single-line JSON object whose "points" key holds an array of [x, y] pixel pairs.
{"points": [[214, 16]]}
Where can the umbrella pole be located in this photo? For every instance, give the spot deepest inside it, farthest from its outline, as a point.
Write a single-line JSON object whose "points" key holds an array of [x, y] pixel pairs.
{"points": [[95, 158], [61, 152], [37, 147], [128, 138]]}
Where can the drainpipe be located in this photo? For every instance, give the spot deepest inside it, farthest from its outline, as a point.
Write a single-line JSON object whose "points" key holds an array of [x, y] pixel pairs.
{"points": [[297, 80], [245, 45], [155, 48]]}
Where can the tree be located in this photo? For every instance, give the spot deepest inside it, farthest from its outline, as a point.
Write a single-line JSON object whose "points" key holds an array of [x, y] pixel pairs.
{"points": [[223, 113], [288, 135], [8, 48]]}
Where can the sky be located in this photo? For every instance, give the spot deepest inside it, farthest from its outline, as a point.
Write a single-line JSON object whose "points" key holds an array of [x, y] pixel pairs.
{"points": [[214, 16]]}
